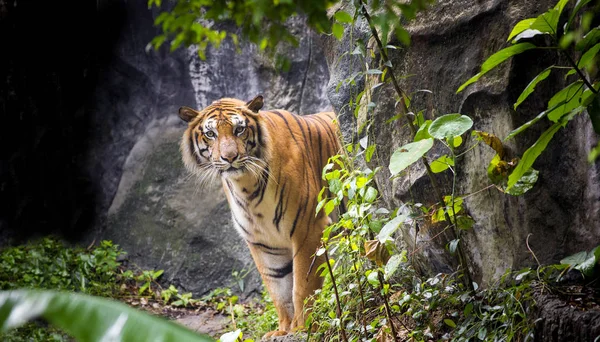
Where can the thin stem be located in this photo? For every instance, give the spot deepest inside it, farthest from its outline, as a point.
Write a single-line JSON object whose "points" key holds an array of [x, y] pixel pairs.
{"points": [[461, 255], [388, 312], [580, 73], [362, 300], [337, 297]]}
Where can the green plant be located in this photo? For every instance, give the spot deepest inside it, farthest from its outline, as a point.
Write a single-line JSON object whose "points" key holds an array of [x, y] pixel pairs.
{"points": [[585, 262], [89, 318], [574, 38], [147, 277], [49, 264]]}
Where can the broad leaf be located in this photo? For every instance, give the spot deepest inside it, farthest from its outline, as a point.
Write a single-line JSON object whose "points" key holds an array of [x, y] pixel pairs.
{"points": [[520, 27], [343, 17], [408, 154], [587, 266], [393, 263], [531, 86], [441, 164], [453, 245], [588, 56], [565, 101], [390, 228], [89, 318], [525, 183], [423, 132], [575, 259], [496, 59], [337, 30], [450, 126], [531, 155], [491, 140], [589, 39]]}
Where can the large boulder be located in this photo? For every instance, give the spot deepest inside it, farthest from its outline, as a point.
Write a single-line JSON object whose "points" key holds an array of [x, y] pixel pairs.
{"points": [[449, 43]]}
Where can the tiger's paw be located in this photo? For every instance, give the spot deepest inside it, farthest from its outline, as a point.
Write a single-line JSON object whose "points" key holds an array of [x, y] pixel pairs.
{"points": [[275, 333]]}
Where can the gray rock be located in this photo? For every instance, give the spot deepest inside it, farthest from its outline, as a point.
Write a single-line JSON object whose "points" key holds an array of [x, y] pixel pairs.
{"points": [[449, 43], [165, 221]]}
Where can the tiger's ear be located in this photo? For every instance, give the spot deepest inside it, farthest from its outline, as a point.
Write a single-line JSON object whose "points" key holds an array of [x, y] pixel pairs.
{"points": [[187, 114], [255, 104]]}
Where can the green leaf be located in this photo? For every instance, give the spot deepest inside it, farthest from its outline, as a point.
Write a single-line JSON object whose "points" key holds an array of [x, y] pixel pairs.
{"points": [[450, 126], [525, 183], [369, 152], [441, 164], [587, 266], [392, 265], [390, 228], [565, 101], [531, 86], [468, 309], [547, 22], [520, 27], [343, 17], [464, 222], [408, 154], [450, 323], [423, 132], [329, 207], [370, 195], [575, 259], [589, 39], [588, 56], [482, 333], [456, 141], [337, 30], [89, 318], [495, 59], [531, 155], [578, 6], [453, 245]]}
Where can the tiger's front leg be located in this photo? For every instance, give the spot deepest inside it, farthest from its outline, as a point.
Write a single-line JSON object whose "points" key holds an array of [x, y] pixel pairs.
{"points": [[275, 267], [306, 279]]}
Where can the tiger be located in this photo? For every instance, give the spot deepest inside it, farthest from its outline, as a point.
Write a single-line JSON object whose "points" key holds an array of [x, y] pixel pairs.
{"points": [[270, 165]]}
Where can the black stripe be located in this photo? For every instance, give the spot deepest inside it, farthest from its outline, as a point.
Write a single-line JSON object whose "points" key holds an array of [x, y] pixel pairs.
{"points": [[281, 272], [288, 126], [264, 188], [330, 133], [279, 210], [269, 249], [307, 144], [302, 208], [193, 148], [241, 203]]}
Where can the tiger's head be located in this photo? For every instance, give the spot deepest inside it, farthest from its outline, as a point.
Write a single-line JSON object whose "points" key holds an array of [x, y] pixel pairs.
{"points": [[223, 139]]}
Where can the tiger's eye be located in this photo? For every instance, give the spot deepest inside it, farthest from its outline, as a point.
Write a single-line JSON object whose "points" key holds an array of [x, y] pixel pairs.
{"points": [[239, 130], [210, 134]]}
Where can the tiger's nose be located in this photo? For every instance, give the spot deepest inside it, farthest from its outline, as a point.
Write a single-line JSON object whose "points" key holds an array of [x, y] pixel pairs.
{"points": [[229, 158]]}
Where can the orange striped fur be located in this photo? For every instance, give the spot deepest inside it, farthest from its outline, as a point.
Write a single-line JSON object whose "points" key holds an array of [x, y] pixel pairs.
{"points": [[270, 165]]}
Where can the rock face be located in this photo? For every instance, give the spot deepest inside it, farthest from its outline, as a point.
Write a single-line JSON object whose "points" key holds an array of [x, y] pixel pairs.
{"points": [[449, 43]]}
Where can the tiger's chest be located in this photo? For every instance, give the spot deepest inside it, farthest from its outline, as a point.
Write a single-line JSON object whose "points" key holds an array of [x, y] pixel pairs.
{"points": [[260, 211]]}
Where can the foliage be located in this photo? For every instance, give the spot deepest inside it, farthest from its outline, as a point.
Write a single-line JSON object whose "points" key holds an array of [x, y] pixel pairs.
{"points": [[578, 40], [49, 264], [264, 23], [89, 318]]}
